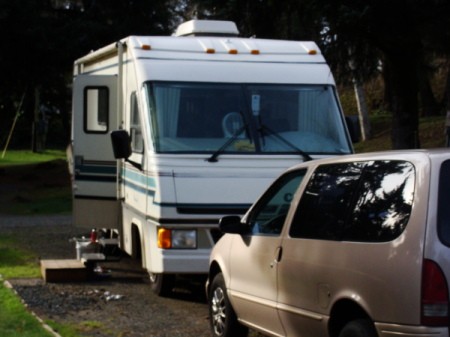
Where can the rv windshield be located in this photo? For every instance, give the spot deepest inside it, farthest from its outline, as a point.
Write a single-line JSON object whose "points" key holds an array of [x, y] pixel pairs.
{"points": [[245, 118]]}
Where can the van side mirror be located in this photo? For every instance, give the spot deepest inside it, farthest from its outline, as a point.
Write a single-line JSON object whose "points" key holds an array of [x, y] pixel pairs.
{"points": [[121, 143], [231, 224]]}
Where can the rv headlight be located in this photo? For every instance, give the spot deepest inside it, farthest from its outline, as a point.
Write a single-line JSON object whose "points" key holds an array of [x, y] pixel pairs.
{"points": [[182, 238], [177, 238]]}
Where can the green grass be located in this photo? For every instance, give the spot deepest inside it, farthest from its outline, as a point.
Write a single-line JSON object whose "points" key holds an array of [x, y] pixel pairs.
{"points": [[65, 330], [15, 262], [47, 201], [15, 320], [23, 157], [41, 183], [431, 133], [89, 327]]}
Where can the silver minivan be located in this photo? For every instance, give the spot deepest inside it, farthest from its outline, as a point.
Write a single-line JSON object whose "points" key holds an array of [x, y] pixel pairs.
{"points": [[350, 246]]}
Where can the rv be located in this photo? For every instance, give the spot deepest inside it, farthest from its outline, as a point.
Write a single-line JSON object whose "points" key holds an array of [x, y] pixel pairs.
{"points": [[171, 133]]}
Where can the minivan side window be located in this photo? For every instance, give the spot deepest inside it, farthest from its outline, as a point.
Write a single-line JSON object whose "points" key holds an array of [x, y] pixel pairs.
{"points": [[383, 202], [321, 212], [443, 214], [267, 218], [361, 201]]}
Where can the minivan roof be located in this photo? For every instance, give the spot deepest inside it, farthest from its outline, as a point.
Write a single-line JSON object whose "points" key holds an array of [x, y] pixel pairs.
{"points": [[391, 154]]}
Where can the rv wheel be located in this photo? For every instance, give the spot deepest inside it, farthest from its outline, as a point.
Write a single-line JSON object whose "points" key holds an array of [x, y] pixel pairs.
{"points": [[162, 284]]}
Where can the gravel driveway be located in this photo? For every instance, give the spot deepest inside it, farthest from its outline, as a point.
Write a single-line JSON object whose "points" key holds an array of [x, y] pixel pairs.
{"points": [[121, 304]]}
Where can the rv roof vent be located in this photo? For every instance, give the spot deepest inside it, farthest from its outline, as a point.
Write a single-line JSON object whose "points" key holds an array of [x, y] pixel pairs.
{"points": [[207, 28]]}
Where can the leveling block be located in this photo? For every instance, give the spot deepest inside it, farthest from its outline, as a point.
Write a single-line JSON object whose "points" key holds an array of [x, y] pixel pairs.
{"points": [[64, 271], [71, 270], [84, 267], [74, 270]]}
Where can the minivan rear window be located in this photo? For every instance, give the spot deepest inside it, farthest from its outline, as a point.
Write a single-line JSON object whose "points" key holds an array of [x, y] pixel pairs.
{"points": [[443, 213], [362, 201]]}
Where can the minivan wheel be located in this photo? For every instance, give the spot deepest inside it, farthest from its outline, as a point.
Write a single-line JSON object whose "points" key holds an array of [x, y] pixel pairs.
{"points": [[222, 317], [359, 328]]}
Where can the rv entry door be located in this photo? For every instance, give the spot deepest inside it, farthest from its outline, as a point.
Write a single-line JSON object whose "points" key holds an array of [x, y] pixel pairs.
{"points": [[95, 204]]}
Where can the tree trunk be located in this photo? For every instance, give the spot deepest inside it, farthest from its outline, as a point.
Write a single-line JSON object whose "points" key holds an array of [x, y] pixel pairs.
{"points": [[37, 103], [429, 105], [363, 113], [447, 92], [447, 108], [401, 73]]}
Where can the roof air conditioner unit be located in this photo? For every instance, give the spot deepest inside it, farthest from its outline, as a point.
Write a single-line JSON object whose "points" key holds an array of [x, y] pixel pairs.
{"points": [[207, 28]]}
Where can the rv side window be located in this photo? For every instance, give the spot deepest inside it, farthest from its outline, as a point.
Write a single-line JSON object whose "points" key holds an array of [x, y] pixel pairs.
{"points": [[137, 143], [96, 109]]}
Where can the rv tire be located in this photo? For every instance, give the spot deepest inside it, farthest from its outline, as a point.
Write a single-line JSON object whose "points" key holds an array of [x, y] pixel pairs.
{"points": [[162, 284]]}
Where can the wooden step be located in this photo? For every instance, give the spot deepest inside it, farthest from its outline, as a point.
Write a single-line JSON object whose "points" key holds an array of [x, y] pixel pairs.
{"points": [[63, 271]]}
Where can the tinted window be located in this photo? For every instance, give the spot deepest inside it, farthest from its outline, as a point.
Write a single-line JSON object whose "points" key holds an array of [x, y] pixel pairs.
{"points": [[321, 212], [363, 201], [383, 204], [443, 203], [268, 216]]}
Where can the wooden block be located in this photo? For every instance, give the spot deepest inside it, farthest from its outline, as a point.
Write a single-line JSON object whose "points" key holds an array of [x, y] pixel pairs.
{"points": [[63, 271]]}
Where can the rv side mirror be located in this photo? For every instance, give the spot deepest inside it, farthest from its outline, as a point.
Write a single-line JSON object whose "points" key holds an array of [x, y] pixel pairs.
{"points": [[232, 224], [121, 144]]}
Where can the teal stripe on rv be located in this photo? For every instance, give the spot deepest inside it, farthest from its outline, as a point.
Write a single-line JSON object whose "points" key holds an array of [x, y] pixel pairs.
{"points": [[138, 178]]}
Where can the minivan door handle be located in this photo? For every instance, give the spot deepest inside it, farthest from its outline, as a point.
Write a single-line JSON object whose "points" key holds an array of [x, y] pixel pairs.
{"points": [[277, 258]]}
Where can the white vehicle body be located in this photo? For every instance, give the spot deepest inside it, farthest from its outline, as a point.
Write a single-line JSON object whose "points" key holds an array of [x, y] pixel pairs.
{"points": [[212, 121]]}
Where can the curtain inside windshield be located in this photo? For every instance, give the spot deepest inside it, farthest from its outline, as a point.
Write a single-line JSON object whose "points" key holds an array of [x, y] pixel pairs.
{"points": [[239, 118]]}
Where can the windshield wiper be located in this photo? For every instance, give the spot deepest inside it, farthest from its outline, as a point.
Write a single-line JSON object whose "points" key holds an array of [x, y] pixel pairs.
{"points": [[263, 129], [237, 133]]}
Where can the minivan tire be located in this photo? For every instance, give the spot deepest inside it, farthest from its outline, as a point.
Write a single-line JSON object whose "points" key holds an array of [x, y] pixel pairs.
{"points": [[223, 320], [358, 328]]}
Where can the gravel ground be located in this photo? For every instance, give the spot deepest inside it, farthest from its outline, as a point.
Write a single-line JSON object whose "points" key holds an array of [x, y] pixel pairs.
{"points": [[119, 304]]}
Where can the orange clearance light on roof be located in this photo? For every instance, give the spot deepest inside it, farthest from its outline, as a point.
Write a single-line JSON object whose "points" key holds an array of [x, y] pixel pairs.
{"points": [[164, 238], [210, 50], [312, 52], [254, 52], [146, 47], [233, 51]]}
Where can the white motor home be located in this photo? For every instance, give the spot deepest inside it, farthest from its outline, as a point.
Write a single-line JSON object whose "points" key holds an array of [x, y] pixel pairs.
{"points": [[204, 121]]}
